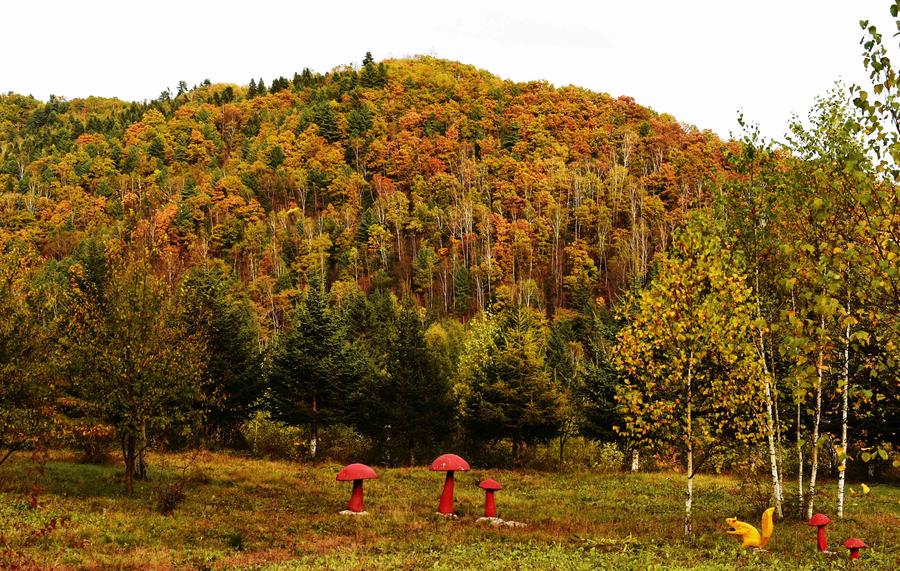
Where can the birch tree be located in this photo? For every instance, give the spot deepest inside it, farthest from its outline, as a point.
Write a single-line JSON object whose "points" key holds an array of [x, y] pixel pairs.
{"points": [[691, 374], [747, 208]]}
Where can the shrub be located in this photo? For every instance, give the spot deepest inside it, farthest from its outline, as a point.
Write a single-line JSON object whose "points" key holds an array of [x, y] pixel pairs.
{"points": [[342, 443], [269, 438], [91, 437], [168, 496], [579, 454]]}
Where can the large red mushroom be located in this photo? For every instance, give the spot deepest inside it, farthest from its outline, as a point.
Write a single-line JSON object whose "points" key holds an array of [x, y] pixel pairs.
{"points": [[356, 473], [448, 463], [820, 521], [489, 486], [854, 544]]}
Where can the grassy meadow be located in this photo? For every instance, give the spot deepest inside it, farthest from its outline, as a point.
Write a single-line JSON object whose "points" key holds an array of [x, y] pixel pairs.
{"points": [[255, 514]]}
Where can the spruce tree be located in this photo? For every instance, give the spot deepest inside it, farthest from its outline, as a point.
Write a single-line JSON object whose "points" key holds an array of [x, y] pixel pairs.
{"points": [[413, 404], [218, 311], [326, 120], [511, 394], [314, 368]]}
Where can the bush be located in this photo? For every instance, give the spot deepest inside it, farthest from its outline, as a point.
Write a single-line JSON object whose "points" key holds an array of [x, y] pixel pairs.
{"points": [[595, 455], [91, 438], [343, 444], [579, 454], [269, 438], [168, 496]]}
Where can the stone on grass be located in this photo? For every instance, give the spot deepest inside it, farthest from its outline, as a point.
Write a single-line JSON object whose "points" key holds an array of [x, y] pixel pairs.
{"points": [[497, 522]]}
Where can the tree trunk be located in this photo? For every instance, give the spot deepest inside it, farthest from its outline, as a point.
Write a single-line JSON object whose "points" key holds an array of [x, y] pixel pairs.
{"points": [[778, 433], [815, 435], [845, 406], [689, 495], [141, 459], [773, 455], [635, 459], [770, 431], [129, 455], [314, 429], [770, 414], [562, 447], [799, 464], [410, 448]]}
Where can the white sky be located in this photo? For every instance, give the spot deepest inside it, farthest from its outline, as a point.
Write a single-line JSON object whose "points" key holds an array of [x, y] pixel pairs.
{"points": [[700, 60]]}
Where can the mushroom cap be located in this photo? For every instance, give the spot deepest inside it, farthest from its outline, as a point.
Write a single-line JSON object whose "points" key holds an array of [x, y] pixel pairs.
{"points": [[449, 463], [854, 543], [356, 472], [489, 484], [819, 519]]}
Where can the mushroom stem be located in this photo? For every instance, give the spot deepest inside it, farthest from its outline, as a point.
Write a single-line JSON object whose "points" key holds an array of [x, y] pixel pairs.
{"points": [[490, 508], [446, 505], [854, 553], [356, 498], [820, 538]]}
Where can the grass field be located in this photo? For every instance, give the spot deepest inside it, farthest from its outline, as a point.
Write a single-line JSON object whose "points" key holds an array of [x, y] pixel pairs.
{"points": [[244, 513]]}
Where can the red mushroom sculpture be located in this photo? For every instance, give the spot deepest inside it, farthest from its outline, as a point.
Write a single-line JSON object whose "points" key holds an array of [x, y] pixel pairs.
{"points": [[854, 544], [448, 463], [820, 521], [356, 473], [489, 486]]}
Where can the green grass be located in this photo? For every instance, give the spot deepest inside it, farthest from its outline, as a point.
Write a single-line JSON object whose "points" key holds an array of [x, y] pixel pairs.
{"points": [[244, 513]]}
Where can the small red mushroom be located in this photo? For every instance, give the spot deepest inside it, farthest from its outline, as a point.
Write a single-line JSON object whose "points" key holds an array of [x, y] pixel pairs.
{"points": [[820, 521], [489, 486], [448, 463], [854, 544], [357, 473]]}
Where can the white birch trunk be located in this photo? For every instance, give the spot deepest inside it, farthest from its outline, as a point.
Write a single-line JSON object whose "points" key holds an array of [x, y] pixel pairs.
{"points": [[799, 439], [689, 495], [842, 470], [770, 414], [799, 463], [635, 459], [814, 468], [773, 456]]}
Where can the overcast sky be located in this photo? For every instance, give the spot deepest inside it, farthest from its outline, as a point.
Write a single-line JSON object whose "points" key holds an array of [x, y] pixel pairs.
{"points": [[700, 60]]}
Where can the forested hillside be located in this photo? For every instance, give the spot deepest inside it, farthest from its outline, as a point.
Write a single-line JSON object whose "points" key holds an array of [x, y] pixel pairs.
{"points": [[427, 177], [416, 252]]}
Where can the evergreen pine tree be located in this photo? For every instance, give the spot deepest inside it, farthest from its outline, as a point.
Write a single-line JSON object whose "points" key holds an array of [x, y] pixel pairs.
{"points": [[511, 394], [326, 120], [413, 404], [224, 318], [314, 368]]}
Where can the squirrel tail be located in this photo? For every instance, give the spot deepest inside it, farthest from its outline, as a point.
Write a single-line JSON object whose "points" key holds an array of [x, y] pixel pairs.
{"points": [[767, 527]]}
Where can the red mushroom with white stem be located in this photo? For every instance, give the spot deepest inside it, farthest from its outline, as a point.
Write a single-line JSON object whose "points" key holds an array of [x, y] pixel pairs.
{"points": [[490, 486], [820, 521], [854, 544], [356, 473], [448, 463]]}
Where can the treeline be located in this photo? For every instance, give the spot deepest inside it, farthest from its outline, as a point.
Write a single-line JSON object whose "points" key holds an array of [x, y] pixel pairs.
{"points": [[425, 255]]}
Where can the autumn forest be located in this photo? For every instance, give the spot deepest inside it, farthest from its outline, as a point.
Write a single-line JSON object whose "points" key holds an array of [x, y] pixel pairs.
{"points": [[400, 257]]}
